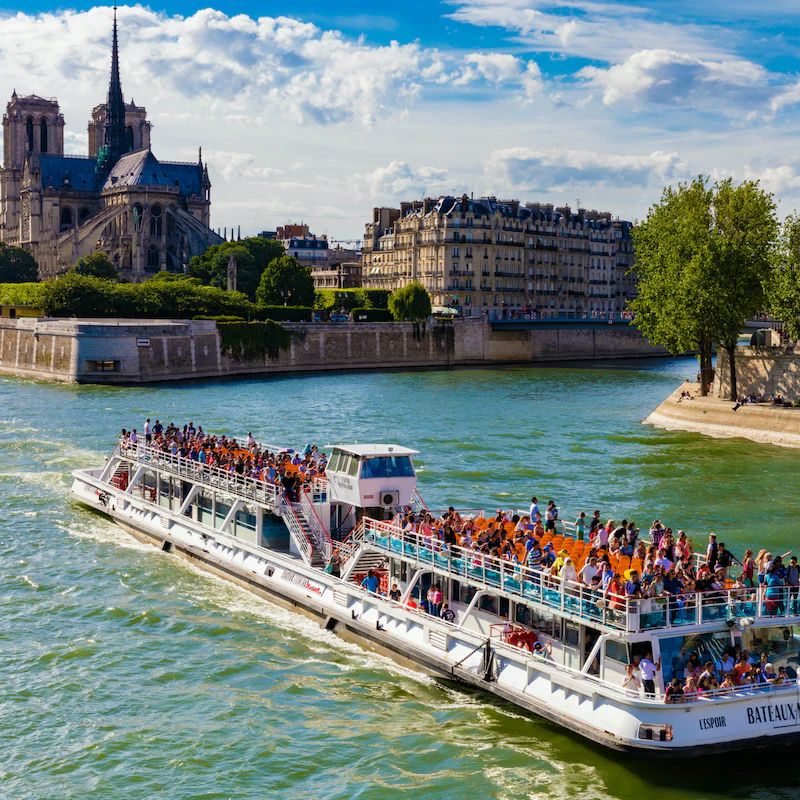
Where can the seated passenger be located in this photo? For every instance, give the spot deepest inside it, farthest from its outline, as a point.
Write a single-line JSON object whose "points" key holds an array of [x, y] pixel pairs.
{"points": [[674, 692]]}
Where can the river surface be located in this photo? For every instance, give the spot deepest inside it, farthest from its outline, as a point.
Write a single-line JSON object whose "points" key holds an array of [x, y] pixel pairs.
{"points": [[125, 673]]}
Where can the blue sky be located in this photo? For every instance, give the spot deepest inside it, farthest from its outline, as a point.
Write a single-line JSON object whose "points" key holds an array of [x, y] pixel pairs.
{"points": [[318, 111]]}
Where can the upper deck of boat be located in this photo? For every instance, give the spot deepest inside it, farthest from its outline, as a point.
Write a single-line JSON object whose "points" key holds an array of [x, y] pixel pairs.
{"points": [[568, 599]]}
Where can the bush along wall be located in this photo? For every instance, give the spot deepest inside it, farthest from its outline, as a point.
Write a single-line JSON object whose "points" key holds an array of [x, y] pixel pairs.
{"points": [[253, 340], [350, 299], [372, 315], [283, 313]]}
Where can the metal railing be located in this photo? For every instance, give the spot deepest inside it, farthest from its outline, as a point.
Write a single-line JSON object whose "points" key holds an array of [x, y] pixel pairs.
{"points": [[318, 532], [489, 572], [292, 522], [208, 476], [574, 599]]}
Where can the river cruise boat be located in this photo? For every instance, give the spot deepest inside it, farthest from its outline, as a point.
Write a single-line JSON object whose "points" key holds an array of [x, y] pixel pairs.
{"points": [[557, 649]]}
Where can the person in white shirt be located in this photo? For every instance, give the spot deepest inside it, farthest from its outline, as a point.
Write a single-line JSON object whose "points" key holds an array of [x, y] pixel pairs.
{"points": [[649, 669], [663, 561], [534, 510], [588, 571], [568, 573], [631, 680]]}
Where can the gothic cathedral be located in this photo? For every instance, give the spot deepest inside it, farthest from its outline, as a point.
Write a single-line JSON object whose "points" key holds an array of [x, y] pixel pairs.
{"points": [[146, 215]]}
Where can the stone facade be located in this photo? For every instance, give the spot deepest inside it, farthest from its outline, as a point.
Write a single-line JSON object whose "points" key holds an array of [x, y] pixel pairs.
{"points": [[485, 255], [760, 371], [129, 351], [146, 215]]}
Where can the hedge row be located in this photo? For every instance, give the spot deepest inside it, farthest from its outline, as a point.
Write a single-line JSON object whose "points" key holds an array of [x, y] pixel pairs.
{"points": [[372, 315], [22, 294], [180, 298], [250, 340], [349, 299]]}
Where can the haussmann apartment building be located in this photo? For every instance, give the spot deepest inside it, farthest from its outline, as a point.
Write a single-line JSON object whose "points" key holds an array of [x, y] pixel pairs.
{"points": [[483, 255]]}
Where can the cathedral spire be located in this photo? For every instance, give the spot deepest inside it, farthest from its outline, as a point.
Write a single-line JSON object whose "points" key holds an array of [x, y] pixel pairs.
{"points": [[114, 141]]}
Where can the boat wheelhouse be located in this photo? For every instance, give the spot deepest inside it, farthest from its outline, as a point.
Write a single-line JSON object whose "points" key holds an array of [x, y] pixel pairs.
{"points": [[556, 648]]}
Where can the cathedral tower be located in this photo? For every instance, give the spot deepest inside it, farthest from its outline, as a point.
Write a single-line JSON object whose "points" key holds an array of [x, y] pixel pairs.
{"points": [[115, 143]]}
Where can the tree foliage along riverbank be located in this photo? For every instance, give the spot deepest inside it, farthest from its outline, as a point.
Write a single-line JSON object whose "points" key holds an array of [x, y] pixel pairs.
{"points": [[16, 265], [705, 263], [169, 296]]}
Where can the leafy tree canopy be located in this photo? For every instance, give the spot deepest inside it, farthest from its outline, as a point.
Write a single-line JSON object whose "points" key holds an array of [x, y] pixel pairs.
{"points": [[410, 302], [252, 256], [17, 265], [704, 257], [784, 288], [97, 265], [286, 282]]}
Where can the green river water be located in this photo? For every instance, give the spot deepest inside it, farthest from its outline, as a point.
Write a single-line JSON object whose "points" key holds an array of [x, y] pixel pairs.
{"points": [[127, 674]]}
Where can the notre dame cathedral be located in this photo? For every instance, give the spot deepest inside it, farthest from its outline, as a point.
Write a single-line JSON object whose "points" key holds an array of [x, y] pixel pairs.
{"points": [[146, 215]]}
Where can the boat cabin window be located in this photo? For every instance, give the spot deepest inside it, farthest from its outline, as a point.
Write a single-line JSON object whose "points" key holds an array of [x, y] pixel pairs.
{"points": [[387, 467], [572, 634], [617, 651], [343, 462], [780, 644], [675, 651]]}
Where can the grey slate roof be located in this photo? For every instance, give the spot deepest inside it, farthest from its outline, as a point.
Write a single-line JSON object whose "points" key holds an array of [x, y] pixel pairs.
{"points": [[68, 172], [141, 168]]}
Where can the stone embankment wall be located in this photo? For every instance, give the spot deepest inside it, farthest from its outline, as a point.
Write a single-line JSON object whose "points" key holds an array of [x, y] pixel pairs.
{"points": [[715, 417], [760, 371], [127, 351]]}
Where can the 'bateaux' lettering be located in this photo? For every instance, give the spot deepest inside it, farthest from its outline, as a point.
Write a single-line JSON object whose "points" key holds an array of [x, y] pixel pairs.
{"points": [[781, 712]]}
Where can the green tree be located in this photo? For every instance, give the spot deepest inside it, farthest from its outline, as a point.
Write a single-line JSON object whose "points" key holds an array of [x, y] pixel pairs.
{"points": [[252, 256], [410, 302], [17, 265], [784, 288], [703, 259], [286, 282], [97, 265]]}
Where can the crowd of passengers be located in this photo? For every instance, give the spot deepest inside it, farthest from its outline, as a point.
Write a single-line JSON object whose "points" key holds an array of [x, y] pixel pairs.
{"points": [[735, 669], [668, 567], [289, 469]]}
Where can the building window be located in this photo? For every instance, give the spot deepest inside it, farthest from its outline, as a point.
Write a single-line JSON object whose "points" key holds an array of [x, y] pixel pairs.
{"points": [[65, 219], [83, 215], [153, 259], [29, 132], [156, 225], [43, 136]]}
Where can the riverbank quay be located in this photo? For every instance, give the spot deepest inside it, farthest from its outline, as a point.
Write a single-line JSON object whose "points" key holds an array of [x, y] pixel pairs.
{"points": [[109, 351], [685, 410]]}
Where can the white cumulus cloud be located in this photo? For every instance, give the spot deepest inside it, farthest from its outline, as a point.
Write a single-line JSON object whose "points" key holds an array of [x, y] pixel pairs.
{"points": [[666, 77], [399, 180], [541, 170]]}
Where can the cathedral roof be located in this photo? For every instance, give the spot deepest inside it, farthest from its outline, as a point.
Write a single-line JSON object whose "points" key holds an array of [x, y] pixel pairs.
{"points": [[142, 168], [68, 172]]}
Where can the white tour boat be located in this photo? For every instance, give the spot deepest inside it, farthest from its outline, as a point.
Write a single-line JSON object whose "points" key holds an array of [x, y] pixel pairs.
{"points": [[253, 533]]}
